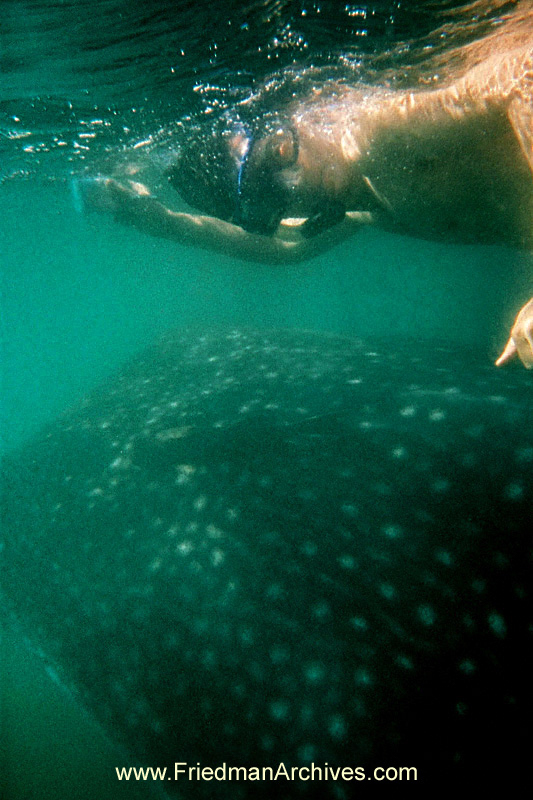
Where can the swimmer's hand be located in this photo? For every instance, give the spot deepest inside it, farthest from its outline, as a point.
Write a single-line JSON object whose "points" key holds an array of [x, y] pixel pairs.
{"points": [[106, 194], [520, 342], [131, 203]]}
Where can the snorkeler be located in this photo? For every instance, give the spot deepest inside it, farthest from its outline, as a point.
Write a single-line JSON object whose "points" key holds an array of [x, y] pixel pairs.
{"points": [[452, 164]]}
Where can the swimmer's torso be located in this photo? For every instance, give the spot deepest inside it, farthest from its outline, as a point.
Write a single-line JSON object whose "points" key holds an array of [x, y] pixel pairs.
{"points": [[448, 164]]}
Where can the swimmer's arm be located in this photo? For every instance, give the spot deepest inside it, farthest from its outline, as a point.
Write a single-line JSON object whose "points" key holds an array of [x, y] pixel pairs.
{"points": [[132, 204], [520, 342]]}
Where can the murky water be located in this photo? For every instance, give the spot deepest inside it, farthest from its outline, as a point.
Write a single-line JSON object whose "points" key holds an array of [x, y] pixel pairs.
{"points": [[87, 86]]}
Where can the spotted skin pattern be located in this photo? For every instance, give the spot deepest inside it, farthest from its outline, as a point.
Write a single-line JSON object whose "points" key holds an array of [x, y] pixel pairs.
{"points": [[256, 547]]}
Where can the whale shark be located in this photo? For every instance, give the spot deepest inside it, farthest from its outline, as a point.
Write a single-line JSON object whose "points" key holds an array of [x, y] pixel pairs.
{"points": [[296, 558]]}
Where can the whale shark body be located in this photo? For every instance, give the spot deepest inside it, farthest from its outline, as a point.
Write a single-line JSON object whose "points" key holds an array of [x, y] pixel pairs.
{"points": [[265, 548]]}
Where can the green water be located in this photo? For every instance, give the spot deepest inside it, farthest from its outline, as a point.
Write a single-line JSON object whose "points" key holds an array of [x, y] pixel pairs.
{"points": [[80, 294], [51, 747]]}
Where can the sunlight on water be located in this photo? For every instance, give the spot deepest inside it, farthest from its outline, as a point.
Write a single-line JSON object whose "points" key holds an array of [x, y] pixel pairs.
{"points": [[99, 87]]}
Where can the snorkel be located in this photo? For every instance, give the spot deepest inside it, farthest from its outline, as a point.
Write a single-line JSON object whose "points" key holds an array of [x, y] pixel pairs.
{"points": [[262, 195]]}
